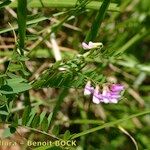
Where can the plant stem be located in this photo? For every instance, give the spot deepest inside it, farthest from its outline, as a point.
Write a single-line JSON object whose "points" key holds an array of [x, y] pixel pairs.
{"points": [[22, 15], [139, 36], [60, 99], [109, 124], [66, 4], [98, 21]]}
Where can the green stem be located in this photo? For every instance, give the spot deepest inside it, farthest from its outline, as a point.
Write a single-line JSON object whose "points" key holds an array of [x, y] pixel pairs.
{"points": [[60, 99], [138, 37], [84, 127], [84, 121], [22, 15], [98, 21], [65, 4], [22, 18], [109, 124], [42, 132]]}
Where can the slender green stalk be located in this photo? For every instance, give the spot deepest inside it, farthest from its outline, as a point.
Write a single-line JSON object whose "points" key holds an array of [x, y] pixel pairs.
{"points": [[98, 21], [22, 15], [65, 4], [60, 99], [109, 124], [15, 26], [138, 37], [84, 127], [83, 121], [42, 132]]}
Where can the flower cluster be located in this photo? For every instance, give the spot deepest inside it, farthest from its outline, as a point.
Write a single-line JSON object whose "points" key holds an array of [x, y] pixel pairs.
{"points": [[91, 45], [109, 94]]}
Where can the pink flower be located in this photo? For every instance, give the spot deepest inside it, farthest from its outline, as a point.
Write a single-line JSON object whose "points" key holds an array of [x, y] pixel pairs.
{"points": [[112, 94], [113, 101], [88, 90], [91, 45], [116, 87], [109, 94], [97, 97], [105, 95], [87, 46]]}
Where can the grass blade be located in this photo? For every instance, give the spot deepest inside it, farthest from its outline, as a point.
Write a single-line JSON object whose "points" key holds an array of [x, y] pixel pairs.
{"points": [[22, 15], [60, 99], [28, 23], [136, 38], [66, 4], [109, 124], [98, 21]]}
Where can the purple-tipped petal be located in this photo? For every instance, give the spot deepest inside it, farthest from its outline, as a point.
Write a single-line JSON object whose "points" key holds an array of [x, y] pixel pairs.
{"points": [[91, 44], [105, 95], [85, 46], [97, 97], [116, 88], [114, 93], [109, 96], [88, 90], [114, 96]]}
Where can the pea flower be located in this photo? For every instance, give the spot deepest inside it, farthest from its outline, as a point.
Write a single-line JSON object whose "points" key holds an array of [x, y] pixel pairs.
{"points": [[116, 87], [105, 95], [109, 94], [91, 45], [96, 96], [88, 90], [114, 92]]}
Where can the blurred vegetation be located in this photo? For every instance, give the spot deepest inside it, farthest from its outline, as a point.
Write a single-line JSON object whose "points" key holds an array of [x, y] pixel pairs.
{"points": [[44, 70]]}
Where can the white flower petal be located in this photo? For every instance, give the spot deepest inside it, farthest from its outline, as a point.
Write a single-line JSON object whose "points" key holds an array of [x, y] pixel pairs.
{"points": [[105, 100], [87, 92], [114, 101], [91, 44], [85, 46], [95, 100]]}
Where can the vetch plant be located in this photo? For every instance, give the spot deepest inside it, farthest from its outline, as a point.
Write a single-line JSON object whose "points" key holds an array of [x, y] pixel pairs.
{"points": [[46, 67], [109, 94]]}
